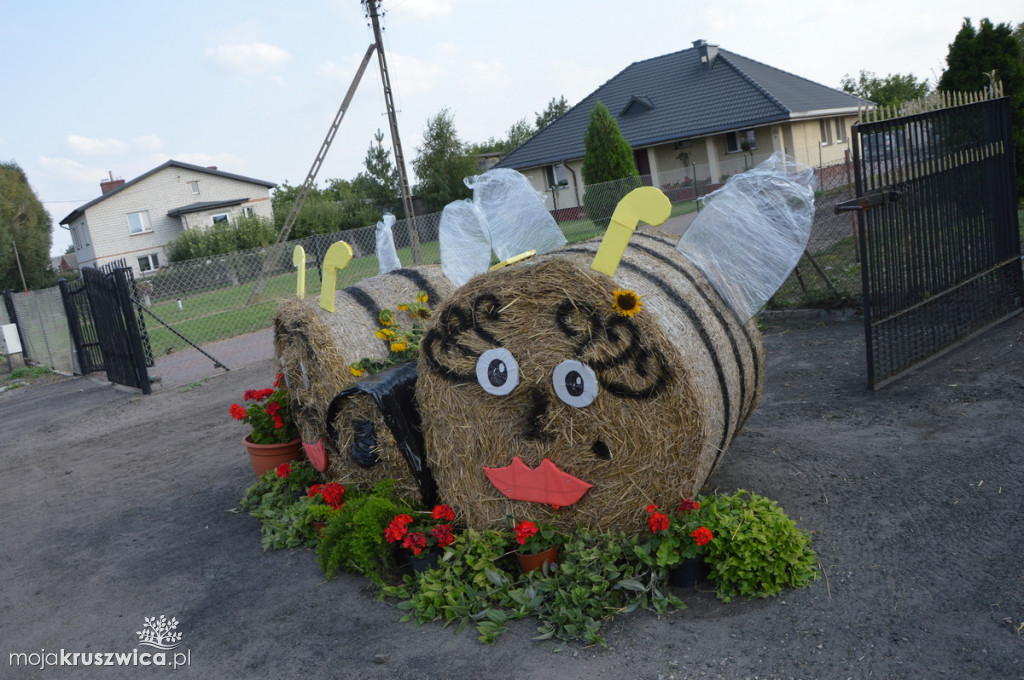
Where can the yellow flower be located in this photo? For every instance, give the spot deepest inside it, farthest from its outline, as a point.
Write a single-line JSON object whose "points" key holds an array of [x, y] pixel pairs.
{"points": [[421, 297], [388, 333], [626, 303], [398, 346], [356, 369], [387, 317], [403, 308], [380, 334]]}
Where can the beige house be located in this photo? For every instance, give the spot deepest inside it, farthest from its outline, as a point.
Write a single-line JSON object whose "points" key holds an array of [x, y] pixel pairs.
{"points": [[693, 117], [134, 220]]}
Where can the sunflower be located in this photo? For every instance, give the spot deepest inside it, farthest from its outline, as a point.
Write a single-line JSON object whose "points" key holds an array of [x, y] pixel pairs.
{"points": [[422, 297], [403, 308], [356, 369], [387, 317], [398, 346], [626, 302]]}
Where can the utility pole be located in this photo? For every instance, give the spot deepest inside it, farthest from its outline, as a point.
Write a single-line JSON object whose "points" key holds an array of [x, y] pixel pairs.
{"points": [[396, 141], [24, 285]]}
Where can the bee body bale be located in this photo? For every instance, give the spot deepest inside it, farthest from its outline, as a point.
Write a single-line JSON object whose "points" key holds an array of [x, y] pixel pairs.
{"points": [[315, 349], [639, 409]]}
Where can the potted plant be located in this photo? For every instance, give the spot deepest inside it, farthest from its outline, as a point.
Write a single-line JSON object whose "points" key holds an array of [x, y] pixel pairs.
{"points": [[538, 545], [678, 542], [420, 536], [274, 438]]}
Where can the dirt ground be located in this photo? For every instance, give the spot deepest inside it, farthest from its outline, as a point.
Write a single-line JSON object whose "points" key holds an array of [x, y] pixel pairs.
{"points": [[116, 507]]}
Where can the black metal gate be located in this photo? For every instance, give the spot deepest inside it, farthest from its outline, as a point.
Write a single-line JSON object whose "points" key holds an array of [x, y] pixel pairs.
{"points": [[117, 327], [940, 248], [83, 329]]}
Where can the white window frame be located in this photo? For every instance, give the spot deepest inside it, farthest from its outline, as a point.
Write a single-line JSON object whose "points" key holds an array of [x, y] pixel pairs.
{"points": [[142, 217], [734, 141], [152, 262], [840, 131], [194, 185], [556, 175], [248, 211], [825, 129], [215, 219]]}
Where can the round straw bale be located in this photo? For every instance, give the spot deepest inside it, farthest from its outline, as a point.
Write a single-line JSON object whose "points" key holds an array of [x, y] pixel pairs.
{"points": [[675, 382], [315, 347]]}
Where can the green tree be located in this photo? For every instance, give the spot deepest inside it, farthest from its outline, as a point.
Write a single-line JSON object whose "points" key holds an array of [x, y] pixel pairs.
{"points": [[975, 57], [608, 162], [893, 90], [379, 183], [442, 163], [555, 108], [520, 131], [25, 228]]}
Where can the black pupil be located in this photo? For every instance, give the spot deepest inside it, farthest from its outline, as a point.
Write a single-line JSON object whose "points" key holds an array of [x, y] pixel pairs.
{"points": [[497, 372], [574, 383]]}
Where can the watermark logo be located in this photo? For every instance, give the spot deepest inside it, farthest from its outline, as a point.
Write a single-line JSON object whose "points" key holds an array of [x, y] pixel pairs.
{"points": [[159, 633]]}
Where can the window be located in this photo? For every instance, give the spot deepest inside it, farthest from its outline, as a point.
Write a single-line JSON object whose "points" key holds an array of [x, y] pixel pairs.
{"points": [[744, 140], [826, 131], [194, 186], [840, 131], [556, 175], [219, 219], [74, 237], [148, 263], [138, 222], [248, 211]]}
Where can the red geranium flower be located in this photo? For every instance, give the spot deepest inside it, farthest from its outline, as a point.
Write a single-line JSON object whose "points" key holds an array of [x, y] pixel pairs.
{"points": [[702, 535], [284, 469], [657, 522], [688, 506], [237, 412], [414, 541], [524, 530], [651, 508], [442, 512], [443, 534]]}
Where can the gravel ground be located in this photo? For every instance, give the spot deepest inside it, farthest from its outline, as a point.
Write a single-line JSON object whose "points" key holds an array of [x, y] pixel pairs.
{"points": [[116, 507]]}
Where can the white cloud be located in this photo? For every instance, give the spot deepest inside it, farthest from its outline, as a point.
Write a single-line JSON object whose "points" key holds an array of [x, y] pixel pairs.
{"points": [[90, 146], [249, 60], [146, 143], [425, 9], [68, 171]]}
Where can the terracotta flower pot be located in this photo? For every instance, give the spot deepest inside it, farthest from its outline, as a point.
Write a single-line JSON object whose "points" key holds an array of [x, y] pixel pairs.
{"points": [[531, 562], [268, 456]]}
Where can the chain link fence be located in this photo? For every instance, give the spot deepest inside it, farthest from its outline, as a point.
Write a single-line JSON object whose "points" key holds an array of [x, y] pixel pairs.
{"points": [[200, 321]]}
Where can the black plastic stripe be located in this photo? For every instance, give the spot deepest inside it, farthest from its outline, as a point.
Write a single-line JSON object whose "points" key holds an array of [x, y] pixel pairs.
{"points": [[433, 297], [697, 324], [363, 299]]}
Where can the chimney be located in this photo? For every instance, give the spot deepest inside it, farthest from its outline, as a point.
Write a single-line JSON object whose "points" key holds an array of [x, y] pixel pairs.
{"points": [[708, 53], [108, 185]]}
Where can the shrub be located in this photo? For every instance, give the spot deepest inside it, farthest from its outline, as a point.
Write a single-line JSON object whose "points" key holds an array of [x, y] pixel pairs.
{"points": [[757, 550]]}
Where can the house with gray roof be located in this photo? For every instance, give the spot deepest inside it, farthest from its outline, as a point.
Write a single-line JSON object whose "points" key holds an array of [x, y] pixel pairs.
{"points": [[134, 220], [698, 115]]}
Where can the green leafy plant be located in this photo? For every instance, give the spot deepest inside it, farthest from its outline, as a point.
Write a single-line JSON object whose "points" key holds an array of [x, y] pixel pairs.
{"points": [[353, 538], [280, 500], [758, 549]]}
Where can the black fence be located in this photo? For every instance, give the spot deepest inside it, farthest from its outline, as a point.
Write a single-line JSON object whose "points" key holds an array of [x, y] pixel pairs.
{"points": [[939, 238], [118, 329]]}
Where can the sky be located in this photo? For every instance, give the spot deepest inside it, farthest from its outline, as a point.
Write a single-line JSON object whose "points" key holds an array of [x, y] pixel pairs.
{"points": [[253, 87]]}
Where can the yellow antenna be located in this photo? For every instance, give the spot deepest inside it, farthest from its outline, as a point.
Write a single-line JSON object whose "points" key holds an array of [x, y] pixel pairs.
{"points": [[646, 203], [337, 257], [299, 260]]}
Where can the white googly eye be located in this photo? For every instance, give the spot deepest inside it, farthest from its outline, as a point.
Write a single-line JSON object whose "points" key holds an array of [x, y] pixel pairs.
{"points": [[497, 371], [575, 383]]}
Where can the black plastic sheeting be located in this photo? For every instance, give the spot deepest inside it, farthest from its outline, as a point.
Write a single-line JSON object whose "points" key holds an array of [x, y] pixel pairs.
{"points": [[394, 392], [364, 443]]}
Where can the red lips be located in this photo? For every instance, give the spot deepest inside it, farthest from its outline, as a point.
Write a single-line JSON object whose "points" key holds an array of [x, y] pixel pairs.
{"points": [[545, 484]]}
